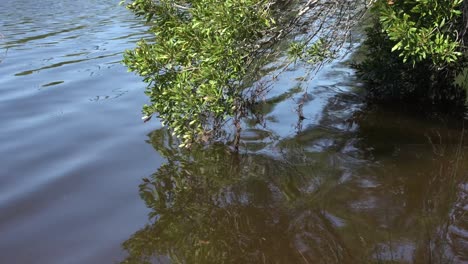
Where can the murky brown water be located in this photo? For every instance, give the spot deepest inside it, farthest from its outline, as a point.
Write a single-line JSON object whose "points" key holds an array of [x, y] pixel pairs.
{"points": [[347, 184], [354, 186]]}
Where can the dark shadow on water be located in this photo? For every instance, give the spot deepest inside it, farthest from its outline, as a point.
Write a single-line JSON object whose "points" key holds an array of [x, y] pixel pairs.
{"points": [[373, 185]]}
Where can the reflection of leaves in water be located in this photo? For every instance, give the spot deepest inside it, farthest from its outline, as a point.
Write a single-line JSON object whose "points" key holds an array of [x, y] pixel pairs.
{"points": [[213, 206], [381, 193]]}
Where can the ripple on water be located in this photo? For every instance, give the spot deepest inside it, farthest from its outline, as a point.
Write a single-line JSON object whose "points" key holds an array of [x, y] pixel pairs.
{"points": [[69, 167], [74, 151]]}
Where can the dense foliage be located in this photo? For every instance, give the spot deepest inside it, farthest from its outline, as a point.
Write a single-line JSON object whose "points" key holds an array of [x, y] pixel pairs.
{"points": [[196, 64], [422, 29], [414, 51], [197, 59]]}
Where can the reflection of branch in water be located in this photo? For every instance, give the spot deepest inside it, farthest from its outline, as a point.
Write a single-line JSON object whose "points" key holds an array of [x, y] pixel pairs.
{"points": [[6, 50], [457, 227], [445, 224], [300, 112], [457, 230], [429, 165], [314, 21], [214, 206]]}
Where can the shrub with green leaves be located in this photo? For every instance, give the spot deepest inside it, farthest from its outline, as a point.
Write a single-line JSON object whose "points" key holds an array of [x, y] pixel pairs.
{"points": [[422, 29], [413, 53], [197, 59]]}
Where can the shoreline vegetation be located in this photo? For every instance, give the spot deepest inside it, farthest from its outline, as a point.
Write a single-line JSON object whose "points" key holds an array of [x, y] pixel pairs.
{"points": [[202, 63], [415, 57]]}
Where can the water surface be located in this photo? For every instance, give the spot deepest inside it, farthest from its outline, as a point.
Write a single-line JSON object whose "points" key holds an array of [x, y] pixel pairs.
{"points": [[72, 143], [83, 180]]}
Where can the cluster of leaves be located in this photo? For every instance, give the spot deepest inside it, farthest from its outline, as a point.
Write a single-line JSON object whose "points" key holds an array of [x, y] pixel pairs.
{"points": [[422, 29], [313, 53], [195, 64], [422, 86], [205, 54], [413, 53]]}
